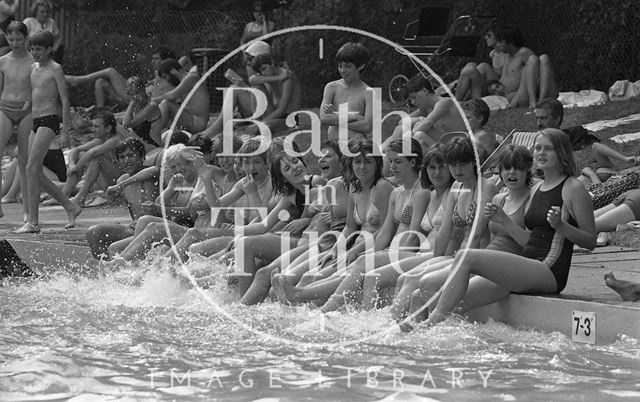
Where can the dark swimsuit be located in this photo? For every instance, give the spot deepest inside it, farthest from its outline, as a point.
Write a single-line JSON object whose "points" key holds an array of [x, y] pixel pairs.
{"points": [[54, 161], [51, 121], [545, 243], [143, 131]]}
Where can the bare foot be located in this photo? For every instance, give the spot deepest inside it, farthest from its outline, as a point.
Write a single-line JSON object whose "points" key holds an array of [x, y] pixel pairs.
{"points": [[334, 303], [286, 292], [28, 228], [72, 214], [629, 291], [434, 319], [278, 289], [114, 264]]}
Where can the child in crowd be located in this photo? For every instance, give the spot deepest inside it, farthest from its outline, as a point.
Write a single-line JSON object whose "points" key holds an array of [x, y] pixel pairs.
{"points": [[352, 58], [130, 154], [177, 203], [469, 84], [98, 158], [548, 113], [141, 114], [47, 83], [477, 113], [434, 115], [286, 94], [253, 191], [15, 98], [195, 115]]}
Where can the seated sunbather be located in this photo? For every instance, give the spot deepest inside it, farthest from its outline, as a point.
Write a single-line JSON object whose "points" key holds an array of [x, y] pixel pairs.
{"points": [[195, 115], [98, 158], [526, 77], [623, 209], [130, 154], [549, 113]]}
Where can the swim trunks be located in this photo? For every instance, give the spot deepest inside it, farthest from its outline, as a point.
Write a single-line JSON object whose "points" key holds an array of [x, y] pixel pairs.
{"points": [[15, 111], [54, 161], [51, 121]]}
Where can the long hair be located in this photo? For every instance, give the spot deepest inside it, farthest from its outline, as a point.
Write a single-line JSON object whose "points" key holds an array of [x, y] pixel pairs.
{"points": [[435, 153], [564, 150], [362, 147], [280, 184]]}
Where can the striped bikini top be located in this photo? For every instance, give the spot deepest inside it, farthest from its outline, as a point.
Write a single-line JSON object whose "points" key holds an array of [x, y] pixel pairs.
{"points": [[405, 213]]}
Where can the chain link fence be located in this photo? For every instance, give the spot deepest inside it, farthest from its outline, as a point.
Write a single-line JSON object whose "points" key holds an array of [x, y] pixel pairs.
{"points": [[591, 43]]}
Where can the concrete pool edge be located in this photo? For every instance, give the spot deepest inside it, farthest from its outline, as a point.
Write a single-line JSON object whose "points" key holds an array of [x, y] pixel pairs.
{"points": [[613, 318], [551, 313]]}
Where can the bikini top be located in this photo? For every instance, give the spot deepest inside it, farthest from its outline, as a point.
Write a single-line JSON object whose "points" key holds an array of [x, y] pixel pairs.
{"points": [[405, 213], [372, 216], [457, 220], [434, 224]]}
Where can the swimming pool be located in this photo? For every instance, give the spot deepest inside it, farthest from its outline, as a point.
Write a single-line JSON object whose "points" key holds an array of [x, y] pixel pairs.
{"points": [[74, 337]]}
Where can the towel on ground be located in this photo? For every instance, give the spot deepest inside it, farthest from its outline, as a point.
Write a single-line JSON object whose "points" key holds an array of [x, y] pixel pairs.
{"points": [[586, 97], [624, 89]]}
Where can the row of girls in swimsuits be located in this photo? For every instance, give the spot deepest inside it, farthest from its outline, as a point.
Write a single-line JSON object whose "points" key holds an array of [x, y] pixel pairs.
{"points": [[440, 222], [445, 238]]}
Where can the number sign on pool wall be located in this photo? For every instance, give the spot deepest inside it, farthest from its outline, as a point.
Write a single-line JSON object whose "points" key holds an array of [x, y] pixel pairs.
{"points": [[583, 327]]}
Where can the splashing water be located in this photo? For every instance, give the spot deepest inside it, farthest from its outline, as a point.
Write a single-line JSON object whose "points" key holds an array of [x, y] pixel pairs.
{"points": [[141, 334]]}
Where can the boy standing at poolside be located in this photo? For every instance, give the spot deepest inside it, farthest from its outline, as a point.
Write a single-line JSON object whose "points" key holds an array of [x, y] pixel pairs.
{"points": [[15, 97], [352, 58], [47, 83]]}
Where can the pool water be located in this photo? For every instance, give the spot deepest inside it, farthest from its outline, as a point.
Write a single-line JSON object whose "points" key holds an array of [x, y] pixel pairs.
{"points": [[85, 338]]}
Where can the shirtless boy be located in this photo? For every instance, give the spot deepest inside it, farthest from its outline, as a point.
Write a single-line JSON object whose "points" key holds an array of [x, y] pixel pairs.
{"points": [[130, 154], [471, 76], [242, 100], [352, 59], [47, 83], [434, 115], [284, 94], [98, 158], [526, 77], [195, 115], [15, 97]]}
